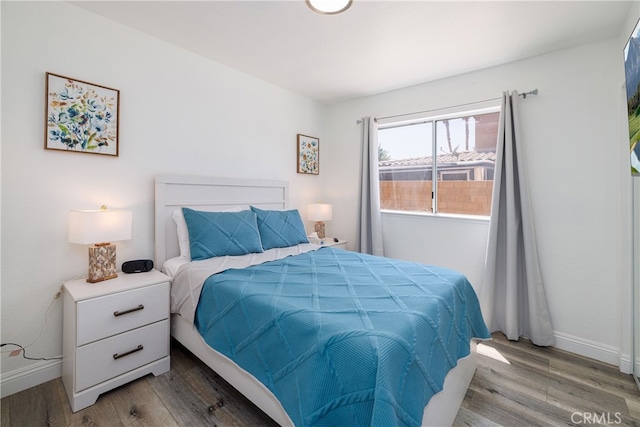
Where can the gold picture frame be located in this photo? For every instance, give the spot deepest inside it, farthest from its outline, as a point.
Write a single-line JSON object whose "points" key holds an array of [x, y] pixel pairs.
{"points": [[308, 152], [81, 117]]}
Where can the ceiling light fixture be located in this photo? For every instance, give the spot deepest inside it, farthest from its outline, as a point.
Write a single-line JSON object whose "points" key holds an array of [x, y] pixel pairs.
{"points": [[329, 7]]}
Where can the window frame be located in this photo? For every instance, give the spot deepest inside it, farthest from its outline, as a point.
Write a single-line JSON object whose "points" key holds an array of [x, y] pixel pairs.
{"points": [[433, 117]]}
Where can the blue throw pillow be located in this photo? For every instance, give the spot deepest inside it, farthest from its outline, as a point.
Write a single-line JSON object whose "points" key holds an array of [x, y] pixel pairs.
{"points": [[279, 229], [214, 234]]}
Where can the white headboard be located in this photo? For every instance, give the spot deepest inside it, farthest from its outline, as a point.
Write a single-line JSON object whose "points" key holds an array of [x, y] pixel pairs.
{"points": [[207, 194]]}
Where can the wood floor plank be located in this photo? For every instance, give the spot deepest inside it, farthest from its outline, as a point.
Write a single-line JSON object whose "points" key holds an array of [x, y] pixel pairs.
{"points": [[40, 405], [577, 400], [526, 345], [102, 413], [577, 381], [575, 384], [467, 418], [509, 375], [586, 397], [488, 381], [137, 405], [502, 411], [634, 407], [228, 404], [521, 377], [595, 374], [500, 351], [523, 403], [185, 405], [181, 359], [5, 416]]}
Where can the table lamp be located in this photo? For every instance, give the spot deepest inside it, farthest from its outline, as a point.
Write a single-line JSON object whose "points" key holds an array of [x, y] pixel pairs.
{"points": [[319, 212], [98, 228]]}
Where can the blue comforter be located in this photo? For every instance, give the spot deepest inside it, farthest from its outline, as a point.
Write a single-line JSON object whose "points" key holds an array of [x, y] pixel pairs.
{"points": [[343, 338]]}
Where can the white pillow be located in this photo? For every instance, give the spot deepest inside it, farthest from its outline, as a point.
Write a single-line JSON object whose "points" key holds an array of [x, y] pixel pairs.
{"points": [[183, 234], [183, 231]]}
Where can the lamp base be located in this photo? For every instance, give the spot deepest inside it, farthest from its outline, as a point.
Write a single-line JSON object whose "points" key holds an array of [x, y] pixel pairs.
{"points": [[102, 262], [319, 228]]}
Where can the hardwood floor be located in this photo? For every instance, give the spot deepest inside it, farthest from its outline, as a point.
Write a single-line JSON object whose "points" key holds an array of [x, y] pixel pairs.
{"points": [[520, 384], [516, 384]]}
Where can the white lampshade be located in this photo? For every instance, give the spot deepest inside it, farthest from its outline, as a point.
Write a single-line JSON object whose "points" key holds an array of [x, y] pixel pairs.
{"points": [[329, 7], [99, 226], [319, 212]]}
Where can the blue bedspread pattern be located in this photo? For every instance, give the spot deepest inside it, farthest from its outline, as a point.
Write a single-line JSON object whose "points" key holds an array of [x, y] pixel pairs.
{"points": [[343, 338]]}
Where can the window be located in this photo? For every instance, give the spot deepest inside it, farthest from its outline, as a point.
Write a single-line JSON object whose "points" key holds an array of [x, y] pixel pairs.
{"points": [[440, 163]]}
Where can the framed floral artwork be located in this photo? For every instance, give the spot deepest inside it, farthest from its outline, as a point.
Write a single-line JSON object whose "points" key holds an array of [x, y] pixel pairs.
{"points": [[80, 116], [308, 154]]}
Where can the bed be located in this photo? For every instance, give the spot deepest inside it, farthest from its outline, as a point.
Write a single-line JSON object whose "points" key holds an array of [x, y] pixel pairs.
{"points": [[195, 322]]}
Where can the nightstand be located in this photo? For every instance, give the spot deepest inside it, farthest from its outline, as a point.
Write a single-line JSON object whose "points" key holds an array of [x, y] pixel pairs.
{"points": [[341, 244], [114, 332]]}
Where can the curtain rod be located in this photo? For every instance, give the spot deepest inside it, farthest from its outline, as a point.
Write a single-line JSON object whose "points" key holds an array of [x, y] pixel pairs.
{"points": [[523, 95], [531, 92]]}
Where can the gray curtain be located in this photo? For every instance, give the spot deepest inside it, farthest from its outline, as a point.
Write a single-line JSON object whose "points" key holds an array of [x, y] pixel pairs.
{"points": [[512, 294], [370, 218]]}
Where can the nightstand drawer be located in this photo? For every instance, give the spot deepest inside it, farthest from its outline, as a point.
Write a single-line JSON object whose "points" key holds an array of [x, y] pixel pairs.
{"points": [[109, 315], [108, 358]]}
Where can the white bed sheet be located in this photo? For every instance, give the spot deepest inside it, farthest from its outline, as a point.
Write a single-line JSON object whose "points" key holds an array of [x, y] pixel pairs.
{"points": [[190, 275], [171, 266]]}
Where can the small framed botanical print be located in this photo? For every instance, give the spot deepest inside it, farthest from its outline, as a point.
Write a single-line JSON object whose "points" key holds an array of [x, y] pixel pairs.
{"points": [[308, 154], [80, 116]]}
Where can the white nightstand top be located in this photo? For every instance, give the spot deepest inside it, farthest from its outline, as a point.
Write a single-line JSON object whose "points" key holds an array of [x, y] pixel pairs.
{"points": [[80, 289]]}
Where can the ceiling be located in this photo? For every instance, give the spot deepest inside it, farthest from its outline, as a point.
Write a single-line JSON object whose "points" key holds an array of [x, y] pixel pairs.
{"points": [[375, 46]]}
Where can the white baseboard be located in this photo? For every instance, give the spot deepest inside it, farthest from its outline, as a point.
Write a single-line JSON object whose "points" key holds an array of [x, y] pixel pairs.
{"points": [[625, 364], [30, 376], [594, 350]]}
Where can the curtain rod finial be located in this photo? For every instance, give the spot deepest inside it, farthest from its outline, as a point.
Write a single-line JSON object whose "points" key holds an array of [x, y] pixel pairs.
{"points": [[531, 92]]}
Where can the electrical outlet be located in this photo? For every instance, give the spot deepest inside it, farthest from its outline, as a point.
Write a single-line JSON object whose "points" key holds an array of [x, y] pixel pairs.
{"points": [[15, 353]]}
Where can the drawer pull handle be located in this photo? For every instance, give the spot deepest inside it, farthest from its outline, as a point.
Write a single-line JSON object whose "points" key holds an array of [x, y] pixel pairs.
{"points": [[131, 310], [118, 356]]}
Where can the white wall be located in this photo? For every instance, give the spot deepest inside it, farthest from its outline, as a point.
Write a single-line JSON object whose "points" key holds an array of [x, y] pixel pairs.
{"points": [[413, 238], [631, 191], [180, 114], [575, 161]]}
